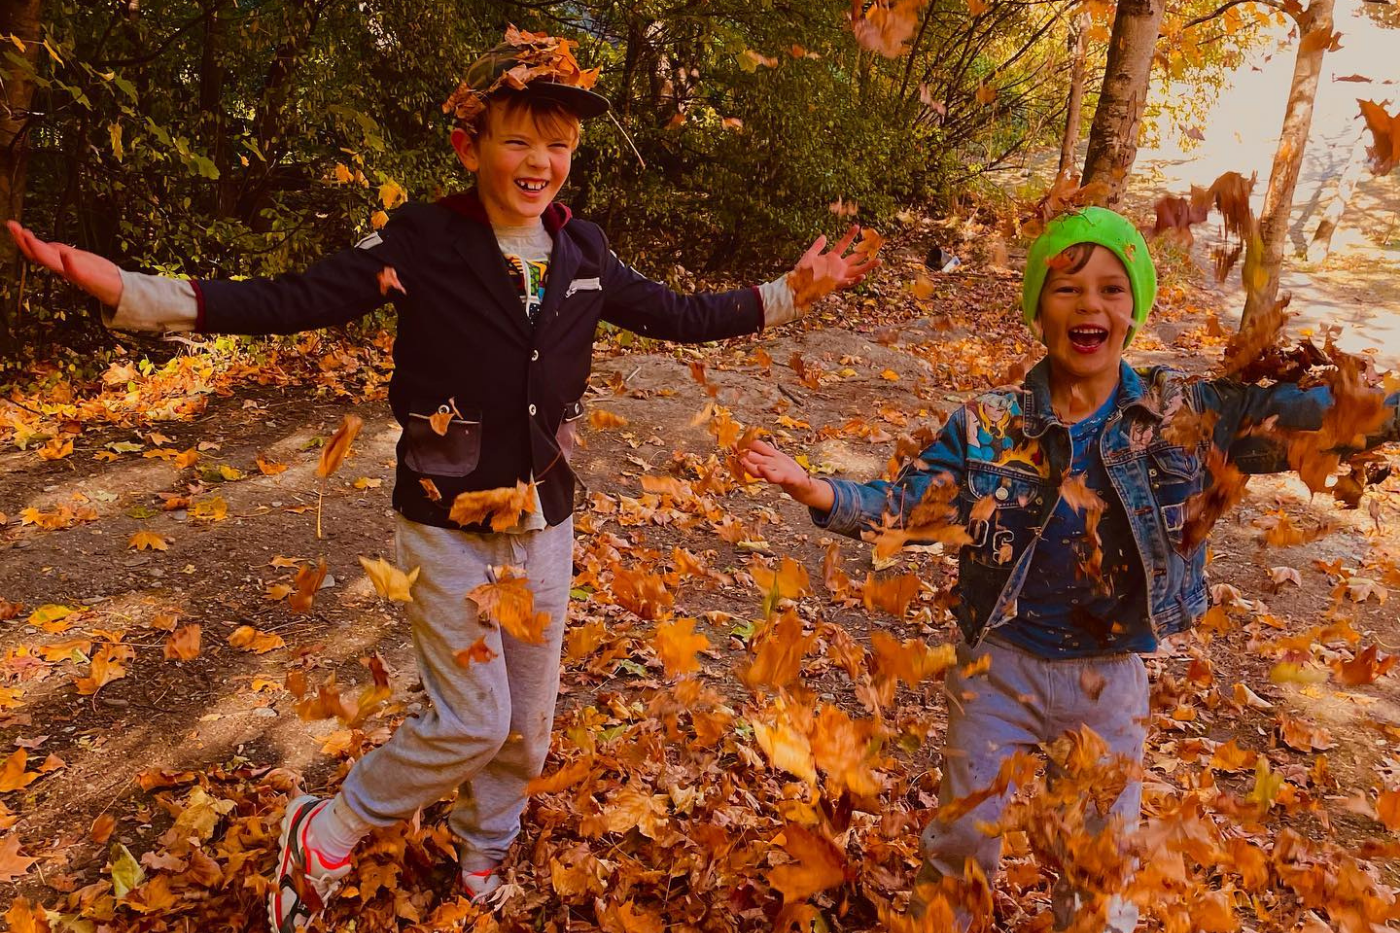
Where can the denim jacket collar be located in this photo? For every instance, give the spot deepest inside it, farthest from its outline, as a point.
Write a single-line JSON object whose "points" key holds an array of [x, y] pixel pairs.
{"points": [[1039, 413]]}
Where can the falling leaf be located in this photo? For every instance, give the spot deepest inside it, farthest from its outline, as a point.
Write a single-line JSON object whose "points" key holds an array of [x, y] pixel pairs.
{"points": [[677, 643], [250, 639], [1388, 809], [388, 279], [787, 749], [183, 644], [886, 26], [502, 507], [509, 602], [308, 581], [336, 449], [148, 541], [389, 581], [817, 865], [478, 652], [1385, 136], [430, 489], [601, 420], [790, 580]]}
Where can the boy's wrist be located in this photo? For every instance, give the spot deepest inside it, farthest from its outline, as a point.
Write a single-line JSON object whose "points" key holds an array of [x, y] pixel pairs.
{"points": [[813, 493]]}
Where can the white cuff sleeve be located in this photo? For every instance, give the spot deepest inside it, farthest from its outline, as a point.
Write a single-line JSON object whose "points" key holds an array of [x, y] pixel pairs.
{"points": [[153, 304], [779, 307]]}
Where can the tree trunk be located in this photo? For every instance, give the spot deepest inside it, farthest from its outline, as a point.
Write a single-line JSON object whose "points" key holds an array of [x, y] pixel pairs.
{"points": [[1114, 136], [18, 18], [1321, 243], [1074, 112], [1314, 36]]}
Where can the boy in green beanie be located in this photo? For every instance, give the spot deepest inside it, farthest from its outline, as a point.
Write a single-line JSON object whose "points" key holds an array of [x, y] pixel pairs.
{"points": [[1078, 491]]}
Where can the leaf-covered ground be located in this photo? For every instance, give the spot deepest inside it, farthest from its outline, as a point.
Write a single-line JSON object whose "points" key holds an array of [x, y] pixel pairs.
{"points": [[749, 730]]}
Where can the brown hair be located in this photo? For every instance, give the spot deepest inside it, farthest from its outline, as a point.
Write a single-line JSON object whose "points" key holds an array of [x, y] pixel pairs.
{"points": [[548, 114], [1071, 259]]}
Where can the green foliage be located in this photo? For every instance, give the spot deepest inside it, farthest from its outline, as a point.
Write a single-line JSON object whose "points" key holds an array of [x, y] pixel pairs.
{"points": [[247, 137]]}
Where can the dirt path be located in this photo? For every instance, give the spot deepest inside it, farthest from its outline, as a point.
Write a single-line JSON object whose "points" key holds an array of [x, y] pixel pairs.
{"points": [[146, 746]]}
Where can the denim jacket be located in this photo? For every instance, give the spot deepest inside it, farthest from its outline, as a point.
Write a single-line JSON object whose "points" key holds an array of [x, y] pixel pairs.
{"points": [[1008, 444]]}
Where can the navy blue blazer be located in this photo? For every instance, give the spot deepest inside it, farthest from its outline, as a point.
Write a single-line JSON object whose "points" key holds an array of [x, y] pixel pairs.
{"points": [[463, 340]]}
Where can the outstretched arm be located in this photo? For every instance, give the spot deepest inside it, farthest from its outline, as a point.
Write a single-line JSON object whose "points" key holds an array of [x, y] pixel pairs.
{"points": [[638, 304]]}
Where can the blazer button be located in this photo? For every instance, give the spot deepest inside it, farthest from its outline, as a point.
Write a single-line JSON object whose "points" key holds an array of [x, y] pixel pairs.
{"points": [[534, 355], [532, 409], [1002, 493]]}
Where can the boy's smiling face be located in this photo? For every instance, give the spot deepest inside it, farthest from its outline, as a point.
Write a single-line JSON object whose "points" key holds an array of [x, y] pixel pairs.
{"points": [[520, 160], [1086, 312]]}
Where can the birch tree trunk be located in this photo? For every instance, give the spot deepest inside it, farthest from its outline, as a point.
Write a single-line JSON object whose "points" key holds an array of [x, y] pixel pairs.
{"points": [[1113, 138], [1314, 37], [18, 18]]}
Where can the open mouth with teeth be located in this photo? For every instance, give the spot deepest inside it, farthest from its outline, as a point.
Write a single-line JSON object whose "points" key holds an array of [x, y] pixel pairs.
{"points": [[531, 185], [1087, 338]]}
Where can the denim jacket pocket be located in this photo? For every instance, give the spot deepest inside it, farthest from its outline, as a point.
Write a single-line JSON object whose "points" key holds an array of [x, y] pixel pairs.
{"points": [[998, 539], [1176, 476], [454, 452]]}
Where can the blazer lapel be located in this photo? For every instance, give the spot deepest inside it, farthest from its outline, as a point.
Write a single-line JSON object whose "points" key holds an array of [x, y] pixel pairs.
{"points": [[477, 245], [564, 261]]}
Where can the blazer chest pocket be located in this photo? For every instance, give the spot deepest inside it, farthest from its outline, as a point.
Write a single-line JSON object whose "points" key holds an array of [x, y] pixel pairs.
{"points": [[443, 443]]}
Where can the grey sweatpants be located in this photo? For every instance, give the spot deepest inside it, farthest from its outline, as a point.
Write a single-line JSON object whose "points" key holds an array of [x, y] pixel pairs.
{"points": [[487, 731], [1021, 702]]}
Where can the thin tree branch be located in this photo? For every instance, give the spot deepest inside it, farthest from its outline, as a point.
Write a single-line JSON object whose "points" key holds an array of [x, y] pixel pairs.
{"points": [[1225, 6]]}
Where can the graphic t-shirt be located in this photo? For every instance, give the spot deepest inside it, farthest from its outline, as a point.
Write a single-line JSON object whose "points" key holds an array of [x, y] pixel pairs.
{"points": [[527, 251]]}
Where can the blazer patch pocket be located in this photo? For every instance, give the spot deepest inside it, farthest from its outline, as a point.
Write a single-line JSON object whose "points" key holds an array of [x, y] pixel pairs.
{"points": [[583, 285], [454, 451], [567, 435]]}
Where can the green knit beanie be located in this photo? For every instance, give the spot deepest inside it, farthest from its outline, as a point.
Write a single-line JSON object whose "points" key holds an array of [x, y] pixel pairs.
{"points": [[1108, 229]]}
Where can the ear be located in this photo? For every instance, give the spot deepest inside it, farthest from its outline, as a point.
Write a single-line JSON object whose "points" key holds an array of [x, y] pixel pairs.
{"points": [[465, 147]]}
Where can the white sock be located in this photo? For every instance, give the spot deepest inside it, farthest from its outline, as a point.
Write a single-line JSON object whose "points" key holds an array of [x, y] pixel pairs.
{"points": [[334, 832]]}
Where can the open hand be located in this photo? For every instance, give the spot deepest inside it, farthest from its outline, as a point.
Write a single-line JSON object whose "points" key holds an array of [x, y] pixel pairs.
{"points": [[97, 276], [767, 462], [820, 273]]}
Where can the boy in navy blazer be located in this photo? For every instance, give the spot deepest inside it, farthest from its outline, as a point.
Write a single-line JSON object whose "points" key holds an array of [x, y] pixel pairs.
{"points": [[499, 292]]}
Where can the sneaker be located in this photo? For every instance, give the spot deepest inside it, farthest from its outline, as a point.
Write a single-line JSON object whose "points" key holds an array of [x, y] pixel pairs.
{"points": [[479, 885], [304, 880]]}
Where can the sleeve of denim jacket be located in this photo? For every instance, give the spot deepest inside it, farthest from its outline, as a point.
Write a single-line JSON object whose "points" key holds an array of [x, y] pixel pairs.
{"points": [[1242, 407], [859, 506]]}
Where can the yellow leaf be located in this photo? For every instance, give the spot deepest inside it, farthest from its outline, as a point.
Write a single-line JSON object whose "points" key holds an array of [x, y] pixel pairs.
{"points": [[889, 375], [148, 541], [187, 459], [389, 581], [378, 219], [787, 749], [250, 639], [391, 194], [677, 644], [367, 482], [106, 667], [48, 617], [214, 509], [600, 419], [478, 652]]}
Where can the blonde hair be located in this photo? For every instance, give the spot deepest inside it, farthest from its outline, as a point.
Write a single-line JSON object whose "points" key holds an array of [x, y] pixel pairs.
{"points": [[547, 114]]}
